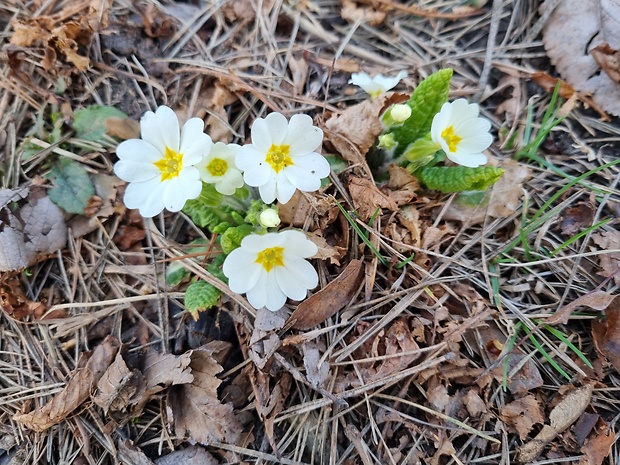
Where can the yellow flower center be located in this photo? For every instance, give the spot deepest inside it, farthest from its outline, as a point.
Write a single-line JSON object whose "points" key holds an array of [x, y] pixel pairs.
{"points": [[270, 258], [451, 139], [171, 165], [217, 167], [278, 157]]}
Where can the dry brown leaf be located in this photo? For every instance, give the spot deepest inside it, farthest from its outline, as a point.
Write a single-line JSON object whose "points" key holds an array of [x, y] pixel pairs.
{"points": [[37, 227], [133, 454], [92, 366], [610, 262], [100, 207], [522, 414], [561, 417], [367, 198], [597, 300], [192, 455], [197, 411], [576, 219], [608, 59], [354, 13], [606, 334], [474, 404], [14, 302], [332, 252], [329, 300], [598, 445], [64, 39], [119, 387], [123, 128], [572, 31], [356, 129], [317, 371]]}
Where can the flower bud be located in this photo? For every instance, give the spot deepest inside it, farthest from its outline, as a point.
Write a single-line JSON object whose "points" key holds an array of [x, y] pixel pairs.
{"points": [[400, 113], [269, 218]]}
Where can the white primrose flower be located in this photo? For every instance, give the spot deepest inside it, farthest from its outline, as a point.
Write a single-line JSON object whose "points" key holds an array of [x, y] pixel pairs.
{"points": [[282, 157], [218, 167], [272, 267], [459, 131], [375, 86], [160, 166]]}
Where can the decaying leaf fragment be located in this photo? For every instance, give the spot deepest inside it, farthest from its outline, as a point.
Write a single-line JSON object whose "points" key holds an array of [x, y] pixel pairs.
{"points": [[57, 38], [610, 262], [196, 409], [30, 226], [523, 414], [561, 417], [91, 367]]}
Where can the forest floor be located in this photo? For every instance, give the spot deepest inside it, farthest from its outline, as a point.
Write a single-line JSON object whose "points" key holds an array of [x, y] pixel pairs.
{"points": [[483, 334]]}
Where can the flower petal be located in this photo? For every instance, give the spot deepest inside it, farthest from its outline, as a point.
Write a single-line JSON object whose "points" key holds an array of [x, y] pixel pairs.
{"points": [[296, 277], [267, 191], [302, 135], [242, 271], [185, 186], [138, 150], [277, 125], [230, 182], [284, 188], [360, 79], [275, 297], [161, 129], [462, 110], [146, 196], [135, 172], [261, 137], [297, 243], [476, 144], [471, 160], [194, 142]]}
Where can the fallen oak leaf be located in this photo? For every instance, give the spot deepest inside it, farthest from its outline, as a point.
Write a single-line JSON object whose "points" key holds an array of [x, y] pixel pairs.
{"points": [[367, 198], [329, 300], [92, 366]]}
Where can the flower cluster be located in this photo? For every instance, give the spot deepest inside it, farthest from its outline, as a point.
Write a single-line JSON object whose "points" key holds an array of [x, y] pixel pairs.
{"points": [[168, 166]]}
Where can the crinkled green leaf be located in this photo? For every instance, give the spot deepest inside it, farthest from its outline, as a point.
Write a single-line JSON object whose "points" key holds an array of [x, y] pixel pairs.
{"points": [[232, 237], [90, 123], [425, 103], [206, 211], [72, 185], [201, 296], [448, 179], [215, 267]]}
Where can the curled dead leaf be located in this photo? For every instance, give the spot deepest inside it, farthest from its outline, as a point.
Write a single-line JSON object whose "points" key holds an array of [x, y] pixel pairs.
{"points": [[606, 334], [329, 300], [92, 366]]}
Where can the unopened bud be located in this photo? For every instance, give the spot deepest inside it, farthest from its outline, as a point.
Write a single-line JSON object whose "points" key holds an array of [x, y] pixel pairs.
{"points": [[269, 218], [400, 113]]}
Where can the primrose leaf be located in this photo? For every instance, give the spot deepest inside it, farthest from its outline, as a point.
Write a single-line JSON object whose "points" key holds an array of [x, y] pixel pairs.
{"points": [[232, 237], [90, 123], [448, 179], [425, 103], [201, 296], [72, 185]]}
